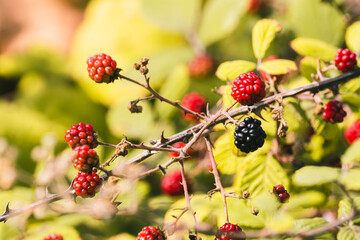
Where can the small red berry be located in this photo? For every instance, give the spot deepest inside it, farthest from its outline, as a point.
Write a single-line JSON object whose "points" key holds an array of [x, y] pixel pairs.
{"points": [[194, 102], [53, 236], [345, 60], [278, 189], [171, 184], [81, 134], [352, 133], [202, 66], [248, 89], [284, 196], [150, 233], [86, 184], [84, 158], [101, 68], [178, 145], [230, 231], [333, 112]]}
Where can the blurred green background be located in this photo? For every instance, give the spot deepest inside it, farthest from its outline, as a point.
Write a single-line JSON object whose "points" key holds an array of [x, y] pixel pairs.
{"points": [[44, 87]]}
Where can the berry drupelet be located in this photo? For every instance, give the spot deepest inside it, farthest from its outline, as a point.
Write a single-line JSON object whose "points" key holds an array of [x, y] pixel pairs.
{"points": [[230, 231], [194, 102], [345, 60], [81, 134], [53, 236], [171, 184], [248, 89], [333, 112], [352, 133], [86, 184], [150, 233], [249, 135], [101, 68], [84, 158]]}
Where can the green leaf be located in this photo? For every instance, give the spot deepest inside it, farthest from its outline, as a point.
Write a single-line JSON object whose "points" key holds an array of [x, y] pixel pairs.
{"points": [[262, 35], [314, 48], [352, 37], [314, 175], [172, 15], [227, 99], [308, 67], [260, 173], [351, 179], [344, 208], [307, 224], [352, 86], [296, 118], [222, 15], [174, 88], [316, 19], [232, 69], [278, 66], [352, 154], [352, 99], [349, 233], [327, 130], [306, 199]]}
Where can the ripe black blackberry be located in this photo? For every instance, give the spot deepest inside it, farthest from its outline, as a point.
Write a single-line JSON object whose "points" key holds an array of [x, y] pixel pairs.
{"points": [[249, 135]]}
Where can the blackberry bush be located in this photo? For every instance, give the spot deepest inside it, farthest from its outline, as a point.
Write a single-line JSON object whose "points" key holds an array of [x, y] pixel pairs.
{"points": [[86, 184], [248, 89], [249, 135]]}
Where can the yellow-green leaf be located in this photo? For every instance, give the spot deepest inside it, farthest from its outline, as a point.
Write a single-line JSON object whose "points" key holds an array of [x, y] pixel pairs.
{"points": [[227, 99], [232, 69], [352, 37], [352, 154], [351, 179], [308, 67], [262, 35], [349, 233], [314, 175], [278, 66], [314, 48]]}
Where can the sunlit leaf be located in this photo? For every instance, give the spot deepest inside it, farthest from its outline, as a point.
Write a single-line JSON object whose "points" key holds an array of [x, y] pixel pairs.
{"points": [[314, 175], [308, 67], [344, 208], [262, 35], [307, 224], [232, 69], [349, 233], [278, 66], [352, 154], [314, 48], [351, 179], [222, 15], [227, 99], [306, 200], [352, 37]]}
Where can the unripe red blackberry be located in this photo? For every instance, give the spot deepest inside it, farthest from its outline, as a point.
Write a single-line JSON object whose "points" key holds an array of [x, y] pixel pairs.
{"points": [[278, 189], [345, 60], [101, 68], [230, 231], [333, 112], [248, 89], [150, 233], [84, 158], [194, 102], [178, 145], [171, 184], [352, 133], [283, 197], [81, 134], [86, 184], [201, 66], [249, 135], [53, 236]]}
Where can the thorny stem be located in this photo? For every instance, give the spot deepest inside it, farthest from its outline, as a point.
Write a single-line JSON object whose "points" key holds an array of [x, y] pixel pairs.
{"points": [[160, 97], [186, 192], [215, 172]]}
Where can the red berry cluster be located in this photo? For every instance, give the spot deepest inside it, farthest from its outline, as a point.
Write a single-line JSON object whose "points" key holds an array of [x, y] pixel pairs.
{"points": [[230, 231], [281, 193], [178, 145], [84, 158], [101, 68], [194, 102], [171, 184], [86, 184], [53, 236], [352, 133], [345, 60], [81, 134], [248, 89], [333, 112], [150, 233], [201, 66]]}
